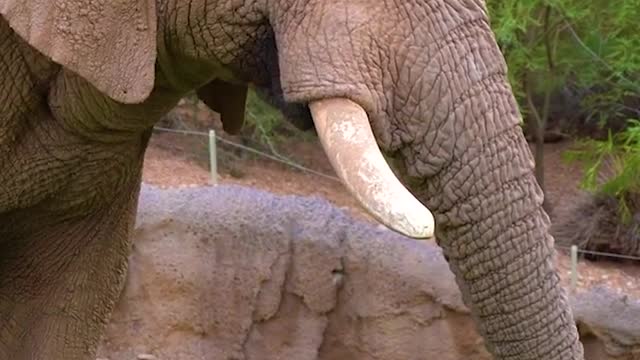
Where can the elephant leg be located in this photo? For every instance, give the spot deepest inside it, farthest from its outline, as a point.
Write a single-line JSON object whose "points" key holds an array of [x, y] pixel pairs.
{"points": [[59, 284]]}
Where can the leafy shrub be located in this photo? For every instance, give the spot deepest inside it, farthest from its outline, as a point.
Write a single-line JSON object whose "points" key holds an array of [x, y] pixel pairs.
{"points": [[613, 168], [589, 49], [591, 46]]}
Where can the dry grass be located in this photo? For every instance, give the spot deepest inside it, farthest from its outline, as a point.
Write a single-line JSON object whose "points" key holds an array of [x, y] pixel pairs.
{"points": [[593, 223]]}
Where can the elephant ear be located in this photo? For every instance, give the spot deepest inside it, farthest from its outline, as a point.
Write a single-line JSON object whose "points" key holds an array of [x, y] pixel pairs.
{"points": [[110, 43], [228, 100]]}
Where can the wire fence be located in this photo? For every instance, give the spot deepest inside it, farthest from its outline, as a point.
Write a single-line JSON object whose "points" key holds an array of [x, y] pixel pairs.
{"points": [[600, 253], [574, 250], [249, 149]]}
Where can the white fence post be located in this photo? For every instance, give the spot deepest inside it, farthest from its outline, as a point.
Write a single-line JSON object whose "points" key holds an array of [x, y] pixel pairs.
{"points": [[212, 157], [574, 268]]}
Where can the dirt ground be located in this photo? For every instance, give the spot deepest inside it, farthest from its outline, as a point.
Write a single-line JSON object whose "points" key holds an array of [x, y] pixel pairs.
{"points": [[174, 160]]}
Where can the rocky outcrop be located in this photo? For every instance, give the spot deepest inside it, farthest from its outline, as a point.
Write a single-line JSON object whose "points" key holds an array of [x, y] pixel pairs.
{"points": [[236, 273], [230, 272], [609, 324]]}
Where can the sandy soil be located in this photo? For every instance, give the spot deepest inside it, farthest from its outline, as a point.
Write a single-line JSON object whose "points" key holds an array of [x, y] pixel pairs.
{"points": [[180, 160]]}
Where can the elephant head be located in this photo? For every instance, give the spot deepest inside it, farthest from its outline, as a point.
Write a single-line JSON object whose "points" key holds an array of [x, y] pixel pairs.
{"points": [[423, 80]]}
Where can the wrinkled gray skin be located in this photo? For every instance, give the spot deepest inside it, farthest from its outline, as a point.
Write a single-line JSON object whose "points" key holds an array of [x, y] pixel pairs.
{"points": [[428, 72]]}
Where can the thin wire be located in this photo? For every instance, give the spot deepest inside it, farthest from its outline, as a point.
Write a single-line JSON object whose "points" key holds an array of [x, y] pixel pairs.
{"points": [[178, 131], [628, 257], [250, 149]]}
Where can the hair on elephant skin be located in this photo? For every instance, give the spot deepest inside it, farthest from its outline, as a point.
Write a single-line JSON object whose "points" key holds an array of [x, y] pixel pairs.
{"points": [[83, 81]]}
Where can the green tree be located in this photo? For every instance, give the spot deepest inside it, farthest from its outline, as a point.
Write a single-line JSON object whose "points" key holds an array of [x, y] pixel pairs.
{"points": [[588, 45]]}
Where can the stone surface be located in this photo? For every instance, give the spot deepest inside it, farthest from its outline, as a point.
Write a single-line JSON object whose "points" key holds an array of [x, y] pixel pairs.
{"points": [[235, 273], [609, 324], [230, 272]]}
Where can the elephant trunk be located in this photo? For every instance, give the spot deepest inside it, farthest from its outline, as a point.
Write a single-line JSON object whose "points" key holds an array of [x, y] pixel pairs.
{"points": [[435, 89], [494, 232]]}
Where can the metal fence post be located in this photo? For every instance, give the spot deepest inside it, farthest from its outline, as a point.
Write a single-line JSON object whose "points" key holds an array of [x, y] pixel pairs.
{"points": [[212, 157], [574, 268]]}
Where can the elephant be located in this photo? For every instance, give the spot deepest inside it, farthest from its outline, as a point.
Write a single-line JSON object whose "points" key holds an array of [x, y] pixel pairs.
{"points": [[82, 83]]}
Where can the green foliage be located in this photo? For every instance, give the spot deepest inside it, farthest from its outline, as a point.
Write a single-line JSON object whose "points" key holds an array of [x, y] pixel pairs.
{"points": [[263, 118], [571, 42], [268, 125], [619, 155], [592, 46]]}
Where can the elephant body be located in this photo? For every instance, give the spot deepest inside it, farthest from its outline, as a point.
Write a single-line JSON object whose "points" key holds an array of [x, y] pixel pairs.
{"points": [[83, 81], [57, 290]]}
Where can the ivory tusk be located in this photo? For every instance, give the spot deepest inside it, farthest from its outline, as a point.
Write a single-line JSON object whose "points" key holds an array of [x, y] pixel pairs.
{"points": [[346, 136]]}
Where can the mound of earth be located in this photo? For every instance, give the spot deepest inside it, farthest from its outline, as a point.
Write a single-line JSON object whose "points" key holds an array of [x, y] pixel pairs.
{"points": [[231, 272], [176, 160]]}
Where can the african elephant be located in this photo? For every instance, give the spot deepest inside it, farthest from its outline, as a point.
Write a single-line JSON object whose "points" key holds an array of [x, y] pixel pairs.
{"points": [[83, 81]]}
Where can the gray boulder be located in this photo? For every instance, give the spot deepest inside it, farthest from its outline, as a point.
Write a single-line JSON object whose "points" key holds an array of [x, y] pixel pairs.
{"points": [[229, 272], [609, 324], [236, 273]]}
